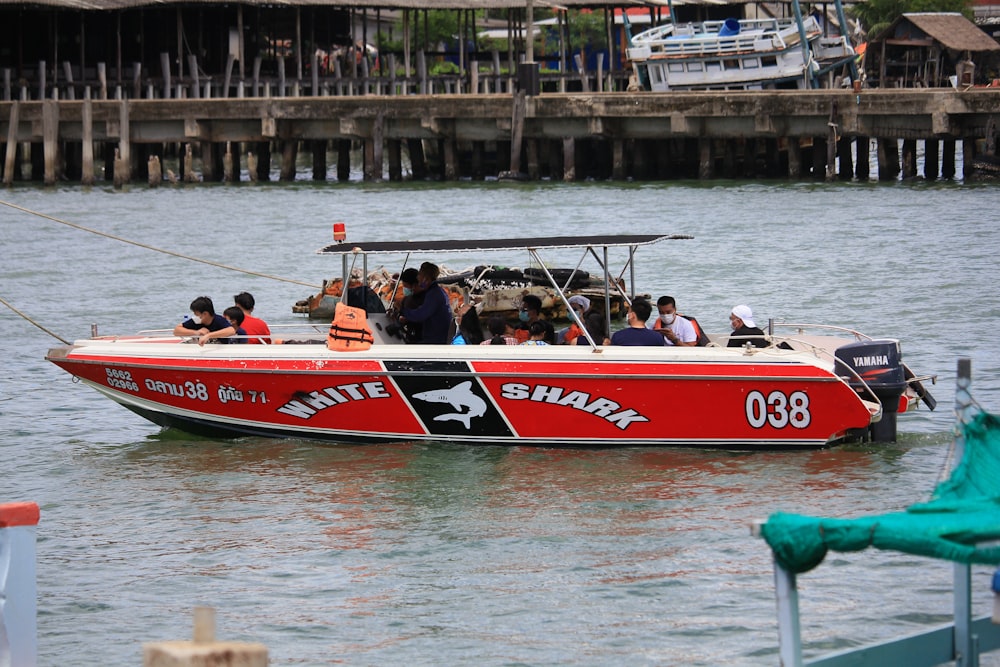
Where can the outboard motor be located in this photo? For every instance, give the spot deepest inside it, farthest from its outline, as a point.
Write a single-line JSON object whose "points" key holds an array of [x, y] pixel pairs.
{"points": [[879, 364]]}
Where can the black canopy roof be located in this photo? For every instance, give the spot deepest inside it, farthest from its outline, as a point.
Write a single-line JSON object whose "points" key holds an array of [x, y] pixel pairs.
{"points": [[472, 245]]}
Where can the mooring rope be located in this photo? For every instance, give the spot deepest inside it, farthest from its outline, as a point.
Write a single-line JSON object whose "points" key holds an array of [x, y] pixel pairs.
{"points": [[28, 319], [155, 249]]}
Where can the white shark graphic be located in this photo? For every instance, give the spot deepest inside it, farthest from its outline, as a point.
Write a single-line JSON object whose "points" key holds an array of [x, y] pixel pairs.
{"points": [[458, 397]]}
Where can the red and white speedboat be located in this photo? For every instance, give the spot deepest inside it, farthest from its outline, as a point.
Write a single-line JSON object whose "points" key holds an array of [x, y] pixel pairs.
{"points": [[805, 390]]}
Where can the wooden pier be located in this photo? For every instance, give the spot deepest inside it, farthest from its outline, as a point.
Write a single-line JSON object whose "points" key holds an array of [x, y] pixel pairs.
{"points": [[822, 134]]}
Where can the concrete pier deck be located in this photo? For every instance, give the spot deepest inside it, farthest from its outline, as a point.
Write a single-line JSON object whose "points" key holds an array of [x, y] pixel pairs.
{"points": [[568, 136]]}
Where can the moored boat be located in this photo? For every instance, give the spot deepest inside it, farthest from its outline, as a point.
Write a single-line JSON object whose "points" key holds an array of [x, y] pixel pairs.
{"points": [[803, 390], [744, 54]]}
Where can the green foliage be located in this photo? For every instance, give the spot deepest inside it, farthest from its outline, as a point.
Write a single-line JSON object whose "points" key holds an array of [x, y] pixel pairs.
{"points": [[877, 15], [443, 67]]}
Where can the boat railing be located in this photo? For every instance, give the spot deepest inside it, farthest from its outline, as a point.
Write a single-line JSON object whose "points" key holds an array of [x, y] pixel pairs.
{"points": [[278, 331], [803, 327]]}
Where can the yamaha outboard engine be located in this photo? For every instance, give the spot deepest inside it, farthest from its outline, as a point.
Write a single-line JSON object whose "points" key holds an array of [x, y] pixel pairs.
{"points": [[879, 364]]}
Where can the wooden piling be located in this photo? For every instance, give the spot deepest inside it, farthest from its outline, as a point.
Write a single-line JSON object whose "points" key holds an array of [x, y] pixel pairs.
{"points": [[228, 162], [188, 174], [706, 163], [155, 171], [909, 158], [968, 158], [517, 130], [289, 155], [534, 168], [124, 142], [450, 159], [569, 159], [252, 166], [794, 157], [378, 143], [10, 159], [118, 170], [617, 159], [87, 148]]}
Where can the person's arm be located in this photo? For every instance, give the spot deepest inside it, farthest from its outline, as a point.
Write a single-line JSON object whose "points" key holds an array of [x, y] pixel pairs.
{"points": [[183, 329], [218, 333], [434, 300]]}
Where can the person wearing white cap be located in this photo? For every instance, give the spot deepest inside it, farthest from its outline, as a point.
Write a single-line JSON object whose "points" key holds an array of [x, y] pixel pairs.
{"points": [[745, 330], [573, 335]]}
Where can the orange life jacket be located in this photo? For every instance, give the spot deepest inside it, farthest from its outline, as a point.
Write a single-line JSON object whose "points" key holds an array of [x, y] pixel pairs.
{"points": [[349, 331]]}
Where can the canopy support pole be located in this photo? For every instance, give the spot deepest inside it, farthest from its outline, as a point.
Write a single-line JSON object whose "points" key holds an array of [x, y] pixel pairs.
{"points": [[789, 631]]}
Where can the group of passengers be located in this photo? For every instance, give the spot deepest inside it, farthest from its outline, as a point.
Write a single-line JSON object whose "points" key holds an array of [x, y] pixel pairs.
{"points": [[426, 316], [672, 328], [236, 324]]}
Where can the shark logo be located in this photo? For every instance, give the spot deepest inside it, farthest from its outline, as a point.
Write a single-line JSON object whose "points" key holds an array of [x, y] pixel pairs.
{"points": [[460, 396]]}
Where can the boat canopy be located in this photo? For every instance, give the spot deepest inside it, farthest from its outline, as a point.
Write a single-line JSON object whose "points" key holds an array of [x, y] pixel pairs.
{"points": [[958, 523], [472, 245]]}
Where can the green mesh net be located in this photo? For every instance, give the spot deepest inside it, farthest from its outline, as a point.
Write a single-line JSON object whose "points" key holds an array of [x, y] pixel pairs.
{"points": [[963, 512]]}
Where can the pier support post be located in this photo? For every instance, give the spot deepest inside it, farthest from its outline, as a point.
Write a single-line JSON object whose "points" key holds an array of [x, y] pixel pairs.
{"points": [[617, 160], [729, 158], [10, 159], [229, 162], [909, 158], [395, 149], [888, 159], [263, 159], [210, 159], [845, 163], [948, 158], [18, 596], [87, 147], [154, 171], [820, 163], [477, 161], [862, 170], [378, 145], [968, 157], [318, 159], [931, 159], [124, 143], [343, 160], [706, 163], [534, 171], [50, 143], [450, 159], [289, 155], [569, 159], [418, 165], [794, 158]]}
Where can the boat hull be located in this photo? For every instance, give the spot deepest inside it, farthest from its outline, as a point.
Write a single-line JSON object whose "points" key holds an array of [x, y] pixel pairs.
{"points": [[557, 396]]}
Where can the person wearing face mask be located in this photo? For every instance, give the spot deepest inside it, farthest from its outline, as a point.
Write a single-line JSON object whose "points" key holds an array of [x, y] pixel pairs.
{"points": [[676, 330], [205, 321], [434, 313], [741, 320], [636, 332], [531, 311]]}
